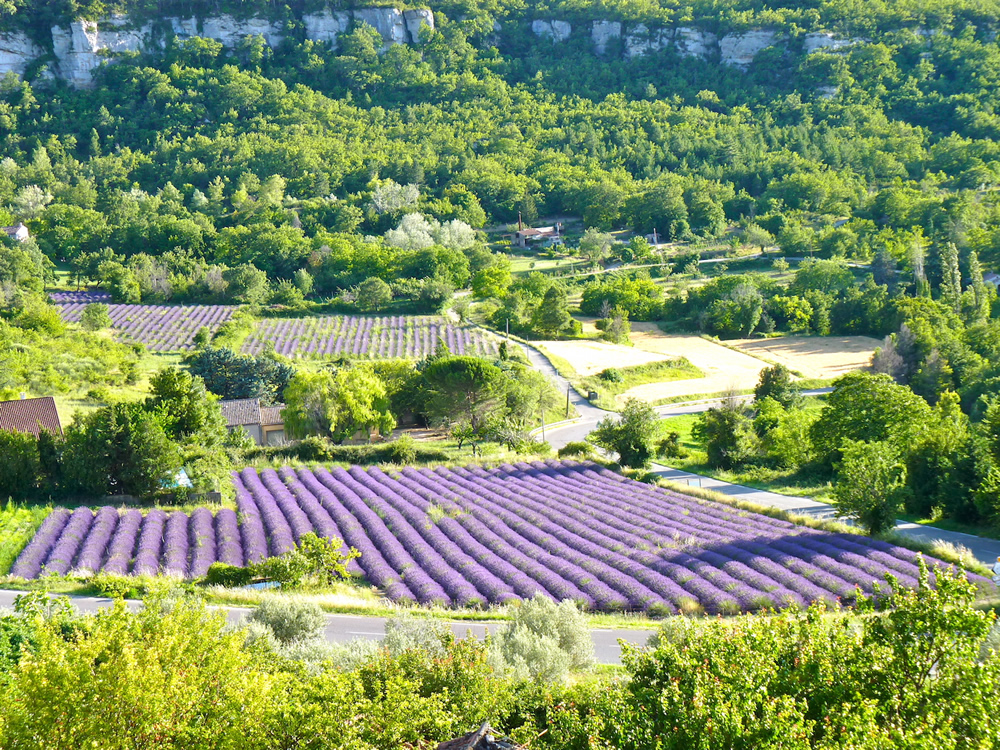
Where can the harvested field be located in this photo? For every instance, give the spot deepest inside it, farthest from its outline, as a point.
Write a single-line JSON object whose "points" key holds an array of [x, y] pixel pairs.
{"points": [[590, 357], [814, 356], [724, 368]]}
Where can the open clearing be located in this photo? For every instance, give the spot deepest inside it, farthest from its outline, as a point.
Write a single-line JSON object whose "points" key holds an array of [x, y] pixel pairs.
{"points": [[814, 356]]}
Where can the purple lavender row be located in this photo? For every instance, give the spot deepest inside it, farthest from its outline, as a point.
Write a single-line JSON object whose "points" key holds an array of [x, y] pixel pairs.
{"points": [[147, 554], [175, 545], [201, 541], [414, 509], [251, 526], [463, 578], [279, 533], [618, 548], [29, 562], [844, 573], [64, 551], [590, 558], [297, 519], [427, 590], [122, 546], [96, 544], [375, 566], [521, 573], [228, 544], [552, 554], [319, 516]]}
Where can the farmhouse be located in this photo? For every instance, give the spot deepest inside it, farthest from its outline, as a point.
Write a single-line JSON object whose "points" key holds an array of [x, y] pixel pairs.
{"points": [[263, 423], [19, 232], [525, 235], [30, 415]]}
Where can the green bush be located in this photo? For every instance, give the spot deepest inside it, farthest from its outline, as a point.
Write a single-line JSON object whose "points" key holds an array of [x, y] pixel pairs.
{"points": [[231, 576], [543, 642], [611, 375], [576, 448], [290, 620]]}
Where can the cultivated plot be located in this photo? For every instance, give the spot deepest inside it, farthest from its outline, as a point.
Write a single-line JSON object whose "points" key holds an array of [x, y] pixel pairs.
{"points": [[161, 328], [475, 536], [368, 337]]}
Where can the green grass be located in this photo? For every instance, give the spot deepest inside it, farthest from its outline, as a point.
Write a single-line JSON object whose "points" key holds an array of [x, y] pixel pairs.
{"points": [[18, 523], [635, 375]]}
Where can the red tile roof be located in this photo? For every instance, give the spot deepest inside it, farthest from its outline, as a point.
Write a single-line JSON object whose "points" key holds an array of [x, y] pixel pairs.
{"points": [[30, 415]]}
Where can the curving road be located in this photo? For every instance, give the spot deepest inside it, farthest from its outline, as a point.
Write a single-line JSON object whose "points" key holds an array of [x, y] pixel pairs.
{"points": [[344, 628]]}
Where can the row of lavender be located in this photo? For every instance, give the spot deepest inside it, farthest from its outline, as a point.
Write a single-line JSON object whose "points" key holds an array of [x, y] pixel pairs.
{"points": [[84, 297], [472, 536], [160, 328], [130, 543], [371, 337]]}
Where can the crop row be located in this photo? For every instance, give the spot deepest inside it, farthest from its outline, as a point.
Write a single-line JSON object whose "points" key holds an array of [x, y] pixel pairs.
{"points": [[474, 536], [86, 298], [160, 328], [370, 337]]}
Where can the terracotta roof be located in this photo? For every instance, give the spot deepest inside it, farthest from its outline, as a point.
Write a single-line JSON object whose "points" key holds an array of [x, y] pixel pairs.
{"points": [[30, 415], [271, 415], [241, 412]]}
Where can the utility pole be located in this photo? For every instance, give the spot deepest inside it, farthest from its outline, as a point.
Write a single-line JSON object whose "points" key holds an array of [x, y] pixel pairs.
{"points": [[567, 402]]}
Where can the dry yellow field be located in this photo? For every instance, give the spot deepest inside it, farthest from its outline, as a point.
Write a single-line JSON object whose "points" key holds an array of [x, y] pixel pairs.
{"points": [[733, 367], [724, 368], [814, 356], [590, 357]]}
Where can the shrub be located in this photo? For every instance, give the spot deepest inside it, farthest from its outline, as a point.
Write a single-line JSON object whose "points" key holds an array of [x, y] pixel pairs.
{"points": [[612, 375], [578, 448], [290, 620], [670, 446], [408, 633], [543, 642], [221, 574]]}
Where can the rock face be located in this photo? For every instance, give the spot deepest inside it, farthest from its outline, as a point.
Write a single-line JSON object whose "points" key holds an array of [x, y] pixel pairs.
{"points": [[824, 41], [739, 50], [688, 42], [83, 45], [557, 31], [16, 52], [603, 32]]}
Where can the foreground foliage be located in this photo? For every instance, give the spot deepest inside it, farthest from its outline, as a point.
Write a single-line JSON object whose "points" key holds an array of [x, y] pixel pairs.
{"points": [[908, 672]]}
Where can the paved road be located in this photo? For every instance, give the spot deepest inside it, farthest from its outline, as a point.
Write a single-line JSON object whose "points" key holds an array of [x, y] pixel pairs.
{"points": [[344, 628], [987, 551]]}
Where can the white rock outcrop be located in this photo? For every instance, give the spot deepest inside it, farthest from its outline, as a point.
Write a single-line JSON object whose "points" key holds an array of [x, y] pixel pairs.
{"points": [[739, 50], [688, 41], [16, 53], [83, 45], [603, 32], [415, 20], [227, 29], [325, 26], [825, 41], [394, 26], [557, 31], [692, 42]]}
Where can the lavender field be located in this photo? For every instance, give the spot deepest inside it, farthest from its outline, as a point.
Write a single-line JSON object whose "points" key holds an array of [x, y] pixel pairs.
{"points": [[62, 298], [368, 337], [473, 536], [161, 328]]}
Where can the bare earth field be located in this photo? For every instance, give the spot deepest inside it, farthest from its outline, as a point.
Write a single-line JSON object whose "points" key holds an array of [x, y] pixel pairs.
{"points": [[590, 357], [814, 357], [724, 368]]}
